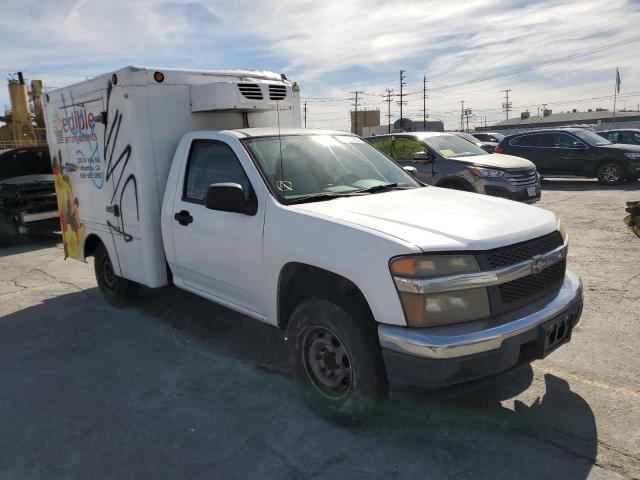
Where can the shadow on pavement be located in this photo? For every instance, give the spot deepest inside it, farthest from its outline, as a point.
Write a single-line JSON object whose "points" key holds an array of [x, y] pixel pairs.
{"points": [[28, 243], [585, 184], [172, 389]]}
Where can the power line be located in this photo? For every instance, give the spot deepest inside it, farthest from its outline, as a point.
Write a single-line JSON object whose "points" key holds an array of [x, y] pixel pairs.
{"points": [[401, 96], [507, 104], [424, 102], [388, 100], [356, 93], [536, 66], [305, 114]]}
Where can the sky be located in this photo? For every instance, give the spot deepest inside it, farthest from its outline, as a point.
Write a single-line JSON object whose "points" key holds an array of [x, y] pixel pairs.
{"points": [[332, 48]]}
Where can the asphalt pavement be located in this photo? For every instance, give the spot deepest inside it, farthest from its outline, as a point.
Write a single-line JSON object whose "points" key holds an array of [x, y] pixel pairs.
{"points": [[181, 388]]}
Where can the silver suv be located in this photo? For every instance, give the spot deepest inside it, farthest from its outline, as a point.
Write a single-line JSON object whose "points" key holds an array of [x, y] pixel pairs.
{"points": [[446, 160]]}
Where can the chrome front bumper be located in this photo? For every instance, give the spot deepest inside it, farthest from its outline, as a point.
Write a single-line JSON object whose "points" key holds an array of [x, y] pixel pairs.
{"points": [[453, 341]]}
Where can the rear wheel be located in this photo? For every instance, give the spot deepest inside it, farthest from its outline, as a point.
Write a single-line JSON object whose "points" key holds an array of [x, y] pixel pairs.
{"points": [[337, 360], [611, 173], [116, 290]]}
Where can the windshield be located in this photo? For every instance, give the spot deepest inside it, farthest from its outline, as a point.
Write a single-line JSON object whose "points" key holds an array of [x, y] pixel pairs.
{"points": [[468, 137], [324, 165], [25, 162], [498, 136], [591, 138], [453, 146]]}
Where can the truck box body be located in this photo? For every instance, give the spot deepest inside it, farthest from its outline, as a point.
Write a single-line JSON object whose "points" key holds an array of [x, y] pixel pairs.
{"points": [[112, 141]]}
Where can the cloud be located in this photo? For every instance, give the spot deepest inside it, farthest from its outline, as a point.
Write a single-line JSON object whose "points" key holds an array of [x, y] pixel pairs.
{"points": [[334, 47]]}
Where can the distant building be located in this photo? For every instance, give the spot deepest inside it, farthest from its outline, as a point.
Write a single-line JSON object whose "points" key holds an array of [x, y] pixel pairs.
{"points": [[405, 125], [597, 117], [364, 118]]}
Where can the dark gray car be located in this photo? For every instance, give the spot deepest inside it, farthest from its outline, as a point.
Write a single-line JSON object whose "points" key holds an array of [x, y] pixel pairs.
{"points": [[446, 160]]}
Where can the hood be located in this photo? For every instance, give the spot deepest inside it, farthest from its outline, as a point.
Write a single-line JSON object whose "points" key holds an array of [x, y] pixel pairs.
{"points": [[439, 219], [498, 160], [27, 179], [622, 147]]}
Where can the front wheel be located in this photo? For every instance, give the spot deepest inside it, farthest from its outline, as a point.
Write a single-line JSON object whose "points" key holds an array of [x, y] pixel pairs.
{"points": [[337, 360], [117, 291], [611, 173]]}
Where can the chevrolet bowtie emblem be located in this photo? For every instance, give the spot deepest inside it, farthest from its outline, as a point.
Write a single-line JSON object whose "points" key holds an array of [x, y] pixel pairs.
{"points": [[539, 264]]}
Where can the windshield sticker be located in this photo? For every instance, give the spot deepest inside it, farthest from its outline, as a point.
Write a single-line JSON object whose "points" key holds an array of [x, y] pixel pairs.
{"points": [[446, 152], [284, 186]]}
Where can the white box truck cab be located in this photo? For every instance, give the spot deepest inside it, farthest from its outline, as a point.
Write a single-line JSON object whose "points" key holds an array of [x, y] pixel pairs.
{"points": [[203, 180]]}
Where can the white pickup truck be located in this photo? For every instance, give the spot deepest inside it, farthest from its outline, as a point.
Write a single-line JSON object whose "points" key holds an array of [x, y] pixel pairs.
{"points": [[203, 180]]}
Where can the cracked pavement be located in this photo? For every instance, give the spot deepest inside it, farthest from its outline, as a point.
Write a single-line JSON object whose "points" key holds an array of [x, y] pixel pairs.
{"points": [[178, 387]]}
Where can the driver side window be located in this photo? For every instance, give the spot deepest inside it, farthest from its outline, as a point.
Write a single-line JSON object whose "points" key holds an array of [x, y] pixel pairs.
{"points": [[404, 148]]}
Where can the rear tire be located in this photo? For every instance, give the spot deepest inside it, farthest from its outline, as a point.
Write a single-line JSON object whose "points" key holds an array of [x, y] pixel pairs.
{"points": [[611, 172], [117, 291], [337, 359]]}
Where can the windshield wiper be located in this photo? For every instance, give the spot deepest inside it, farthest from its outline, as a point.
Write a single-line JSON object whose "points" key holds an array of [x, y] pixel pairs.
{"points": [[377, 188], [317, 197], [326, 196]]}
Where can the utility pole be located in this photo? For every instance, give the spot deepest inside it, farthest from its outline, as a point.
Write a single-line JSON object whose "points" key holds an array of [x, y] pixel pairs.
{"points": [[355, 116], [464, 112], [424, 102], [507, 104], [305, 114], [401, 102], [388, 100]]}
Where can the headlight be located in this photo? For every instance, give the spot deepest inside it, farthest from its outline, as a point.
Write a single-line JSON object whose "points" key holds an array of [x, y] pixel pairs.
{"points": [[423, 310], [633, 155], [487, 172], [561, 229]]}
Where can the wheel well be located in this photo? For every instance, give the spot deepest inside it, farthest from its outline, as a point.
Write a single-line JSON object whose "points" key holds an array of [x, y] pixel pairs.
{"points": [[448, 182], [90, 244], [299, 281]]}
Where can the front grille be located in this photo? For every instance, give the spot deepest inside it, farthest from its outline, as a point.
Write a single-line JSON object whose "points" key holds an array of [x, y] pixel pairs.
{"points": [[523, 178], [277, 92], [251, 91], [534, 285], [520, 252]]}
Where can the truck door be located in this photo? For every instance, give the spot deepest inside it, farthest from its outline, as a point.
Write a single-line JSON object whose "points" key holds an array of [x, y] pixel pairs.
{"points": [[218, 253]]}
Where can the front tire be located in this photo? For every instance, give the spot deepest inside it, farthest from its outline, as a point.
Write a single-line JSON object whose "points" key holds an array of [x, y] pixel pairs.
{"points": [[611, 173], [337, 359], [117, 291]]}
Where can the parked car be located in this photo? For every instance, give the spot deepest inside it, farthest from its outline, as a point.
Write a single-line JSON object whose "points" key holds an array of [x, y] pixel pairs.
{"points": [[27, 195], [372, 277], [576, 152], [492, 137], [633, 219], [489, 147], [629, 136], [446, 160]]}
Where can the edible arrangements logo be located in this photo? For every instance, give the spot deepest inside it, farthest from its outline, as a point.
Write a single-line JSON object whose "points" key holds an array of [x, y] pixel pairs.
{"points": [[76, 126]]}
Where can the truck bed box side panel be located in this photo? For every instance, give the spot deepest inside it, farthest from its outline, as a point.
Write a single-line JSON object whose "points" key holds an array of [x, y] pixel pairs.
{"points": [[74, 134]]}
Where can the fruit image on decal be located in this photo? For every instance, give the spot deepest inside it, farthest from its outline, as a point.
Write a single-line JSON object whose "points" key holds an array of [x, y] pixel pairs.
{"points": [[68, 205]]}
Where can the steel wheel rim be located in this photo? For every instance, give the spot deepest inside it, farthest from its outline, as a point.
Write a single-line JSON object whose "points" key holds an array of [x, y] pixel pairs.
{"points": [[327, 362], [611, 173], [108, 275]]}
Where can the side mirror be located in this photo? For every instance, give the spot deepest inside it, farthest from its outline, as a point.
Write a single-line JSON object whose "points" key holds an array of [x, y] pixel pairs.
{"points": [[411, 170], [229, 197], [422, 157]]}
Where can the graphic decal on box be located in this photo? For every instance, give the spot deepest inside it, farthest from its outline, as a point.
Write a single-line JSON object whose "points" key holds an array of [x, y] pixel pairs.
{"points": [[72, 228]]}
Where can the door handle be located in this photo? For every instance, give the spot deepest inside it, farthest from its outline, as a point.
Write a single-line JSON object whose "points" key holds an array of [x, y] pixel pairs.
{"points": [[70, 167], [183, 217]]}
